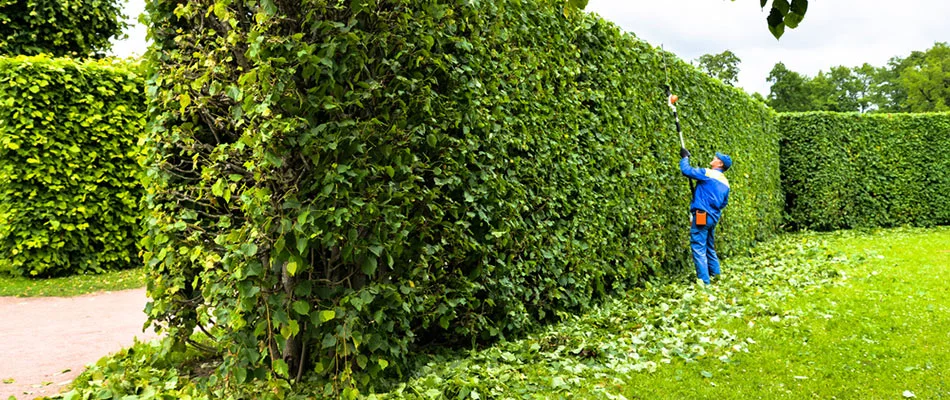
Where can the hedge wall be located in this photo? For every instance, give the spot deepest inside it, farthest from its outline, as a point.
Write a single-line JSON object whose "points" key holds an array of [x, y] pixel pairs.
{"points": [[338, 184], [865, 170], [69, 189]]}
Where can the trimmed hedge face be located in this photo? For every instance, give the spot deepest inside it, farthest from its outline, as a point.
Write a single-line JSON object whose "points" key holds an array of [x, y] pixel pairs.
{"points": [[69, 188], [355, 181], [865, 170]]}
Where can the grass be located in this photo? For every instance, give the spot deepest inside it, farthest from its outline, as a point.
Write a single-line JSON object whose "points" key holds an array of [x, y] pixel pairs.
{"points": [[72, 285], [885, 334], [846, 315]]}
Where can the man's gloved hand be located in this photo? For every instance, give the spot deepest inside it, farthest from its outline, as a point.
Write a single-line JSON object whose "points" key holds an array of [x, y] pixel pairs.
{"points": [[684, 153]]}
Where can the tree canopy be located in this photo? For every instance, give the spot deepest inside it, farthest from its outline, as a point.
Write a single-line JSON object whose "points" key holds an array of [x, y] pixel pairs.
{"points": [[82, 28], [919, 82], [927, 82], [788, 91], [724, 66]]}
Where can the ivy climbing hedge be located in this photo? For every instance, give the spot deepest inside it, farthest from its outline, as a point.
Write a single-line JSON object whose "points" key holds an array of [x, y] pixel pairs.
{"points": [[333, 184], [69, 177], [847, 170]]}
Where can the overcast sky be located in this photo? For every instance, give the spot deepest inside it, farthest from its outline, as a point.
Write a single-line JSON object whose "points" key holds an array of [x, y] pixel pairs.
{"points": [[135, 44], [834, 32]]}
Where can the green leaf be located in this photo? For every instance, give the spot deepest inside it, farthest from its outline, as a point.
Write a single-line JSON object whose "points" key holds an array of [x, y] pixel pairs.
{"points": [[280, 367], [234, 93], [327, 315], [706, 374], [357, 303], [799, 7], [292, 267], [240, 375], [184, 99], [218, 188], [269, 7], [792, 20], [776, 26], [329, 341], [578, 4], [249, 249], [302, 243], [780, 5], [302, 307], [369, 265], [220, 10]]}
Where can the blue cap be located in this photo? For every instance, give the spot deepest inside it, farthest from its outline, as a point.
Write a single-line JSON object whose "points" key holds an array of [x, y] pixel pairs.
{"points": [[726, 161]]}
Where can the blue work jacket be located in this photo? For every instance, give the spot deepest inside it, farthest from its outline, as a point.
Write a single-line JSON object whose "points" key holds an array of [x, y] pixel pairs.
{"points": [[712, 190]]}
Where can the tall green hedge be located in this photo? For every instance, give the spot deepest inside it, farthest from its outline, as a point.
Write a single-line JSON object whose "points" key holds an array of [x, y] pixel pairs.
{"points": [[338, 183], [865, 170], [69, 188]]}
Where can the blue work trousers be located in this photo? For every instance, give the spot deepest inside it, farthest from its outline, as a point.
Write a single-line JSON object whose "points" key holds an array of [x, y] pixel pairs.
{"points": [[703, 242]]}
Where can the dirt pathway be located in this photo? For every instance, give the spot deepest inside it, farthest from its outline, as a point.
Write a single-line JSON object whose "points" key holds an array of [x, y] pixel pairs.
{"points": [[41, 337]]}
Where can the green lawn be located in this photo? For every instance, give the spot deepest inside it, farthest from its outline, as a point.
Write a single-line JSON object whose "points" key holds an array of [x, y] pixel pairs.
{"points": [[845, 315], [72, 285], [885, 334]]}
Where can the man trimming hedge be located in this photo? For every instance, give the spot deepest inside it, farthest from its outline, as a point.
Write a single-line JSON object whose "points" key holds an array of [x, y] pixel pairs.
{"points": [[709, 199]]}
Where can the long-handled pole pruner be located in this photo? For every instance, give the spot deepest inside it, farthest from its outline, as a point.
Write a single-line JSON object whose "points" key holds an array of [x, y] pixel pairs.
{"points": [[671, 101]]}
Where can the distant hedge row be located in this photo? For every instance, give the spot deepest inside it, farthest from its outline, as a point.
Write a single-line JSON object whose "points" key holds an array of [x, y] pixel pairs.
{"points": [[333, 185], [69, 184], [865, 170]]}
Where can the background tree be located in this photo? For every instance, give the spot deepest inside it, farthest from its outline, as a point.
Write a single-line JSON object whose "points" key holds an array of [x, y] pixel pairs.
{"points": [[879, 84], [789, 90], [80, 28], [919, 82], [840, 89], [927, 84], [889, 93], [724, 66]]}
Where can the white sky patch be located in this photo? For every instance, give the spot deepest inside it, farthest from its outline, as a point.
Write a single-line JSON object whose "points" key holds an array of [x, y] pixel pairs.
{"points": [[834, 32], [135, 44]]}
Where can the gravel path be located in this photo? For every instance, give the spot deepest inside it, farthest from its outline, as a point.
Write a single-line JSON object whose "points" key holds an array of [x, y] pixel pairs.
{"points": [[45, 342]]}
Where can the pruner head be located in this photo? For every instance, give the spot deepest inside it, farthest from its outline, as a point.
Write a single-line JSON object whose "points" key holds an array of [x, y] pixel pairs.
{"points": [[671, 98], [671, 101]]}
